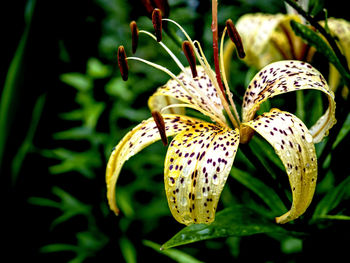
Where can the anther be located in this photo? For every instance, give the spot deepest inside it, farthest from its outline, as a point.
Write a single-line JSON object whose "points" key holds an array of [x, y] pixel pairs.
{"points": [[134, 35], [163, 5], [157, 23], [158, 119], [191, 58], [235, 37], [122, 63]]}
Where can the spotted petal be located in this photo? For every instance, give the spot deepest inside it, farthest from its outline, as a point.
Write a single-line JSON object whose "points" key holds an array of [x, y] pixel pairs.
{"points": [[137, 139], [293, 144], [200, 93], [264, 38], [340, 29], [197, 164], [285, 76]]}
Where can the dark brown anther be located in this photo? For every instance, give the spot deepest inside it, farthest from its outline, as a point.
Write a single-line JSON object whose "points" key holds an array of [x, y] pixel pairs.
{"points": [[157, 23], [134, 35], [158, 119], [163, 5], [191, 58], [122, 63], [235, 37]]}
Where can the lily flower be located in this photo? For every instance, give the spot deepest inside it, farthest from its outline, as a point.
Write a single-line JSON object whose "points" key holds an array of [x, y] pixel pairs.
{"points": [[269, 37], [200, 156]]}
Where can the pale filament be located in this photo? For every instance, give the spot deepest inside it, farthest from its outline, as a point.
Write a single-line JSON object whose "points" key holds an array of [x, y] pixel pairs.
{"points": [[207, 68], [165, 70], [176, 60], [222, 66], [212, 116]]}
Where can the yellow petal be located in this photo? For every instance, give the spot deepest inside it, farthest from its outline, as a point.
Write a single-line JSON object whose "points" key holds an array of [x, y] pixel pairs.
{"points": [[264, 40], [197, 164], [201, 93], [293, 144], [285, 76], [137, 139], [340, 29], [157, 103]]}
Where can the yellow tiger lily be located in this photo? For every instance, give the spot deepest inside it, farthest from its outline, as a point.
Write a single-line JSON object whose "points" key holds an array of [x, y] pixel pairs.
{"points": [[201, 154], [268, 38]]}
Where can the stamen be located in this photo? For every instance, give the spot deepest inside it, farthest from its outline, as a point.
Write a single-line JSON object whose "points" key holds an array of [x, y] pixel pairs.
{"points": [[178, 63], [134, 35], [181, 105], [235, 37], [223, 72], [189, 53], [158, 119], [172, 75], [157, 23], [122, 63], [204, 63], [163, 5]]}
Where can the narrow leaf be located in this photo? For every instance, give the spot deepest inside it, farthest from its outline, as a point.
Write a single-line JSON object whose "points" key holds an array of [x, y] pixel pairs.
{"points": [[174, 254], [332, 199], [313, 39], [267, 194], [27, 143], [234, 221], [335, 217], [343, 132], [128, 250]]}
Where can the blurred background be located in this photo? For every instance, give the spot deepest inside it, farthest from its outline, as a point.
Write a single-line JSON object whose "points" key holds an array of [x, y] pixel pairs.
{"points": [[64, 107]]}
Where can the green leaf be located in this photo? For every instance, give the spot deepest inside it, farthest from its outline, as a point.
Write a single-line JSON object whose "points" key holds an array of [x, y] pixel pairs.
{"points": [[267, 194], [335, 217], [13, 82], [291, 245], [28, 140], [332, 199], [96, 69], [265, 153], [118, 88], [316, 6], [174, 254], [82, 162], [77, 80], [313, 39], [237, 220], [58, 248], [128, 250], [343, 132]]}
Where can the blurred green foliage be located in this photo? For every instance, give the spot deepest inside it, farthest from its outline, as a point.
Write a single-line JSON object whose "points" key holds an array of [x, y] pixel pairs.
{"points": [[54, 173]]}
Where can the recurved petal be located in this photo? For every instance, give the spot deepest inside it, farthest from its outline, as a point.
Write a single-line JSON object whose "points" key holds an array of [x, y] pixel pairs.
{"points": [[134, 141], [340, 29], [200, 92], [286, 76], [293, 144], [197, 164]]}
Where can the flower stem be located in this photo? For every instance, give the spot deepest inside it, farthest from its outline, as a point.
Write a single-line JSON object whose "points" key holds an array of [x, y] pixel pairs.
{"points": [[214, 29]]}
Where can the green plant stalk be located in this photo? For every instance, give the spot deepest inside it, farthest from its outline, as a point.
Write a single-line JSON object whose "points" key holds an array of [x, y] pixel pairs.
{"points": [[27, 143], [8, 96], [315, 24]]}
